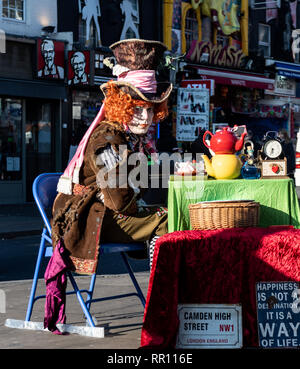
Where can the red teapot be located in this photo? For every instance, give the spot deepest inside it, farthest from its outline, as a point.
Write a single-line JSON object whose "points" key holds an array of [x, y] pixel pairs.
{"points": [[224, 141]]}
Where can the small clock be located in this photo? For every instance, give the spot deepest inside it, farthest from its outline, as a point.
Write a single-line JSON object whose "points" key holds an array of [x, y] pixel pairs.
{"points": [[272, 147]]}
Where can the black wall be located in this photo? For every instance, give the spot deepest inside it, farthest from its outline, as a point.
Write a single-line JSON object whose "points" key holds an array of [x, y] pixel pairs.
{"points": [[151, 20], [111, 21], [68, 17]]}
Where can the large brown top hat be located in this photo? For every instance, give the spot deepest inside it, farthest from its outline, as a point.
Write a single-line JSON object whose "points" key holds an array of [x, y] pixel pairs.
{"points": [[137, 62]]}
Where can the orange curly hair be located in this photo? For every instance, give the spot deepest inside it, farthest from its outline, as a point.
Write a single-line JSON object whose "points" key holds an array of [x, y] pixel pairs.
{"points": [[119, 106]]}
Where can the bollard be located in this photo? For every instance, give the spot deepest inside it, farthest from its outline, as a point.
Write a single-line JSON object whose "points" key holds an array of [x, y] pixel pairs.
{"points": [[2, 302], [2, 42]]}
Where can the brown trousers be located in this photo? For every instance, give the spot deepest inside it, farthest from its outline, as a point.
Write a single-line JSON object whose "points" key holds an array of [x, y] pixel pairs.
{"points": [[140, 227]]}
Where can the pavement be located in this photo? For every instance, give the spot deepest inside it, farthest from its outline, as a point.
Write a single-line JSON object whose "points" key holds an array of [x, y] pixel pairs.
{"points": [[20, 225], [122, 318]]}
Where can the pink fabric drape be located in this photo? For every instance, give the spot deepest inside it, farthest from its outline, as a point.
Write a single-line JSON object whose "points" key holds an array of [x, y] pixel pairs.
{"points": [[215, 267], [56, 282]]}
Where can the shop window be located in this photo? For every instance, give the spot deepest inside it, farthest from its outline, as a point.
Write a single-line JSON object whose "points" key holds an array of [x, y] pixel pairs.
{"points": [[41, 116], [10, 139], [13, 9], [264, 40], [222, 40], [206, 29], [86, 105], [191, 28]]}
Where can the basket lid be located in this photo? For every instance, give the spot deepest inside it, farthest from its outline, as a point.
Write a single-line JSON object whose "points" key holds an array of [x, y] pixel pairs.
{"points": [[222, 201]]}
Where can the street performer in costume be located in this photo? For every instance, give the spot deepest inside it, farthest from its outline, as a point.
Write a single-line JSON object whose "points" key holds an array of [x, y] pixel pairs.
{"points": [[88, 209]]}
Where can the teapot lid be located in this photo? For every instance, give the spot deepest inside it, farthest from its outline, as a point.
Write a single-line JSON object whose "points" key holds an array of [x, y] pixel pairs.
{"points": [[224, 129]]}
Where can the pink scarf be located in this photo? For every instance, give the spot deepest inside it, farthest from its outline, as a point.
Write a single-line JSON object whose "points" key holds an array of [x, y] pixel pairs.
{"points": [[144, 80], [71, 174]]}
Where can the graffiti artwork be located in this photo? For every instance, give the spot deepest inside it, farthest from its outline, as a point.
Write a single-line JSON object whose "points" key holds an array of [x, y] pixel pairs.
{"points": [[227, 56]]}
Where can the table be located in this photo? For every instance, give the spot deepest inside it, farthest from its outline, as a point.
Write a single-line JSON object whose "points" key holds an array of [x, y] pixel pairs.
{"points": [[218, 267], [278, 199]]}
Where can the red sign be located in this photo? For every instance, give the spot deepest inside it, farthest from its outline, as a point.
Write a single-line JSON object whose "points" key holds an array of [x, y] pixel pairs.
{"points": [[50, 59], [78, 68], [237, 79], [208, 84]]}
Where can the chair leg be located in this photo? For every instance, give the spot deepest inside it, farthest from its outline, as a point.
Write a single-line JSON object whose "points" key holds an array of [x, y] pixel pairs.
{"points": [[81, 301], [134, 281], [36, 276], [91, 291]]}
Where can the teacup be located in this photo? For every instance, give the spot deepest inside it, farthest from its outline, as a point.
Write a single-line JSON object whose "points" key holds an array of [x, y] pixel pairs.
{"points": [[184, 167]]}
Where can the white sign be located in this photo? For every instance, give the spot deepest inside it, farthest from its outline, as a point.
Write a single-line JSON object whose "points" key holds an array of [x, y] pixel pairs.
{"points": [[192, 113], [209, 326], [284, 86], [200, 84]]}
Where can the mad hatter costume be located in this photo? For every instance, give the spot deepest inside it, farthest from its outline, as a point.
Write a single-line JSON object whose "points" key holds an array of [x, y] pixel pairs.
{"points": [[87, 210]]}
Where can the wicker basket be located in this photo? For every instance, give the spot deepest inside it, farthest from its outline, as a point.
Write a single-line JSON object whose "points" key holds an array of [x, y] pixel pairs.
{"points": [[224, 214]]}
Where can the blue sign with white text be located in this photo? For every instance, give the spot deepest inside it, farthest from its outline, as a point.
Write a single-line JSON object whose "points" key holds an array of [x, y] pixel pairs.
{"points": [[278, 314]]}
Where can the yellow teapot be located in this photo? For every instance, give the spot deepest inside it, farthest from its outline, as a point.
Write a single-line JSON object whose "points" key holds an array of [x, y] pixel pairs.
{"points": [[223, 166]]}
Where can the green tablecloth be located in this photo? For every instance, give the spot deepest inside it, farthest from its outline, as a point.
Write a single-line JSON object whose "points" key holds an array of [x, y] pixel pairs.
{"points": [[277, 197]]}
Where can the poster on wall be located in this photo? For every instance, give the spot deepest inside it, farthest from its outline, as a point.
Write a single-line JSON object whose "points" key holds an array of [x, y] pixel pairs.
{"points": [[50, 59], [78, 68], [192, 113]]}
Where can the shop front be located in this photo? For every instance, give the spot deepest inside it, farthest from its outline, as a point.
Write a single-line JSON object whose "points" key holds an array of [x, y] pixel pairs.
{"points": [[30, 123], [30, 131], [234, 98], [32, 102], [286, 93]]}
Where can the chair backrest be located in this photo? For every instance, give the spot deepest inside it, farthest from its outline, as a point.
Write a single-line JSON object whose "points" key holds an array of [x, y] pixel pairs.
{"points": [[44, 192]]}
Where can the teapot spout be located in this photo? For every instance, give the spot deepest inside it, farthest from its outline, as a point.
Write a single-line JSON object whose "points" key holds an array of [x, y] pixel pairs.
{"points": [[240, 143], [208, 166]]}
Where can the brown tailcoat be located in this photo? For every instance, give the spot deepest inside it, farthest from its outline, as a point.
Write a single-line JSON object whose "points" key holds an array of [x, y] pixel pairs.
{"points": [[77, 219]]}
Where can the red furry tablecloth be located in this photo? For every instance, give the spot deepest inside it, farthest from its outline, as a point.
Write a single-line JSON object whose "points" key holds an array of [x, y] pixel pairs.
{"points": [[220, 266]]}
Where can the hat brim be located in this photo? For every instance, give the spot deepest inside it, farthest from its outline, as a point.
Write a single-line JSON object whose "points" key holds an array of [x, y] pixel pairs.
{"points": [[163, 91]]}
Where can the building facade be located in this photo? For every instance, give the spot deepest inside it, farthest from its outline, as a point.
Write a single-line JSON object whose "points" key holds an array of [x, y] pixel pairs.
{"points": [[243, 51], [51, 67]]}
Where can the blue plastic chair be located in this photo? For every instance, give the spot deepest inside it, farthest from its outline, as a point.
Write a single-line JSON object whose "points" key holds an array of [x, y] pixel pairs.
{"points": [[44, 193]]}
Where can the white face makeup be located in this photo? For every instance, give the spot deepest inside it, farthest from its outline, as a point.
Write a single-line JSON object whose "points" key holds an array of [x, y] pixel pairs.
{"points": [[141, 120]]}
